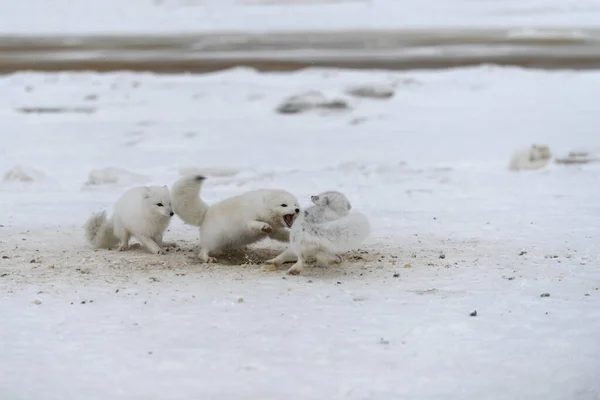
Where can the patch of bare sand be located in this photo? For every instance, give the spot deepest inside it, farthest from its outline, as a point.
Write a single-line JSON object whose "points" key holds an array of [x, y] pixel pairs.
{"points": [[59, 260], [33, 259]]}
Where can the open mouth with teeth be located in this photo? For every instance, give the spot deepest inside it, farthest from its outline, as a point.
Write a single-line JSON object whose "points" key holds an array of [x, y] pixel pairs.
{"points": [[288, 219]]}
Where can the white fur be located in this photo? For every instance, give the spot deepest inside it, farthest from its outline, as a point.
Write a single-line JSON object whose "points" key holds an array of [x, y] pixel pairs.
{"points": [[323, 232], [187, 204], [234, 222], [137, 213], [532, 158]]}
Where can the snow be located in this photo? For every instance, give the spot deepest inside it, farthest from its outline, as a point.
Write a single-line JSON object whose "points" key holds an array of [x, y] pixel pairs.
{"points": [[453, 231], [193, 16]]}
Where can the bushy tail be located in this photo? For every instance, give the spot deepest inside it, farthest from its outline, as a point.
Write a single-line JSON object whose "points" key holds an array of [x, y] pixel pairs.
{"points": [[99, 231], [186, 201], [346, 233]]}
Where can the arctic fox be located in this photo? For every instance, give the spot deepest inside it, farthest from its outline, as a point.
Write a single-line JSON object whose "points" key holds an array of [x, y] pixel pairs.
{"points": [[237, 221], [143, 212], [534, 157], [323, 232]]}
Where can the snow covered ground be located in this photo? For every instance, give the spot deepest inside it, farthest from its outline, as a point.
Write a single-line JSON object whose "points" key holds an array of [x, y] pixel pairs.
{"points": [[453, 232], [30, 17]]}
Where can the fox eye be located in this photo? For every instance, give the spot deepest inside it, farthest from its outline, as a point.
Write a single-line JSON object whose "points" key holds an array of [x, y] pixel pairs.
{"points": [[159, 204], [284, 205]]}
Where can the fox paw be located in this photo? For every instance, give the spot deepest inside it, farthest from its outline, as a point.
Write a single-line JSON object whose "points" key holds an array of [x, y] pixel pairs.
{"points": [[267, 228], [206, 259], [295, 269], [327, 260], [275, 262]]}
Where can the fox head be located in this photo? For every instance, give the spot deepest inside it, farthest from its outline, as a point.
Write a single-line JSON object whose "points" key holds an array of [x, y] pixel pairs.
{"points": [[336, 201], [158, 200]]}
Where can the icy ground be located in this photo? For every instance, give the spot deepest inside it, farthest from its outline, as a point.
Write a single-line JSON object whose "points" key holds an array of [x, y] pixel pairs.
{"points": [[453, 232], [153, 17]]}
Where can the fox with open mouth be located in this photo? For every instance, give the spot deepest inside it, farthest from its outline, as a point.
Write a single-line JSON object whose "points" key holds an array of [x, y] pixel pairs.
{"points": [[236, 221]]}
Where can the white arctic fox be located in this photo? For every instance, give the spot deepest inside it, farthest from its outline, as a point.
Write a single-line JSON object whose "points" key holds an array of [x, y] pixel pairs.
{"points": [[531, 158], [143, 212], [323, 232], [237, 221]]}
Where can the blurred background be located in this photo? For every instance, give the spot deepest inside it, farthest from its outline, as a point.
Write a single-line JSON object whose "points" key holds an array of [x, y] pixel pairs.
{"points": [[208, 35]]}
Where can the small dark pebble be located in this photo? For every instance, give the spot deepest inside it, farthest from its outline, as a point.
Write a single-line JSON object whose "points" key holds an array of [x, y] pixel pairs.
{"points": [[71, 303], [91, 301], [117, 291], [32, 262], [150, 353], [5, 257], [3, 275], [309, 281], [545, 295], [434, 217], [339, 283], [473, 314], [587, 294], [83, 302], [442, 256], [522, 253], [383, 341], [511, 278], [396, 275]]}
